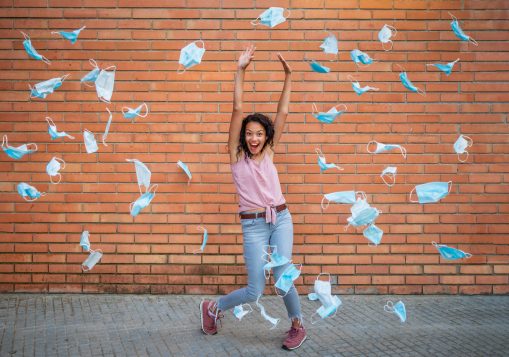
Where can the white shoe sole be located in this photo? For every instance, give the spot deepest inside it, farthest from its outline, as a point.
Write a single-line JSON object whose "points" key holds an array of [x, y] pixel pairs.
{"points": [[201, 319], [294, 348]]}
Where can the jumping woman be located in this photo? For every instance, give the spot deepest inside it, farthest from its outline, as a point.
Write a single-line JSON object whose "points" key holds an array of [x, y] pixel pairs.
{"points": [[265, 218]]}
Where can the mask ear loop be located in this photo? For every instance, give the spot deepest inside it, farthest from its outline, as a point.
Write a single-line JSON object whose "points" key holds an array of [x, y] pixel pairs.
{"points": [[146, 111], [467, 255], [403, 151], [267, 261], [388, 49], [387, 183], [59, 178], [64, 77], [107, 130], [410, 197], [32, 91], [466, 158], [289, 13], [5, 141], [368, 144], [254, 22], [450, 186], [318, 277], [205, 236], [62, 161], [34, 144], [339, 105], [321, 203], [201, 42], [389, 307], [314, 109], [472, 41]]}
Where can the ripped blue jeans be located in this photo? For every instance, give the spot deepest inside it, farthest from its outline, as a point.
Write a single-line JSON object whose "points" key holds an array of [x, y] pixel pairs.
{"points": [[258, 234]]}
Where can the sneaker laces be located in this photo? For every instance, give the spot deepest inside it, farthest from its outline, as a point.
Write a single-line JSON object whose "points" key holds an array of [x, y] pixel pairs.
{"points": [[216, 316], [292, 332]]}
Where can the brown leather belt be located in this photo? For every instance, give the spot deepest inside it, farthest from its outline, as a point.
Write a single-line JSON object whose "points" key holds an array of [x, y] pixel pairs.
{"points": [[261, 214]]}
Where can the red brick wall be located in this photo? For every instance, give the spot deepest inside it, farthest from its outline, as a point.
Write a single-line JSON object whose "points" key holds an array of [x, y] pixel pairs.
{"points": [[189, 119]]}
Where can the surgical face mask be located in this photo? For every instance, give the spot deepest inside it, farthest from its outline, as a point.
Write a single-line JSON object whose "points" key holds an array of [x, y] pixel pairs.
{"points": [[266, 316], [186, 170], [42, 89], [143, 201], [285, 281], [29, 193], [204, 242], [276, 260], [384, 36], [373, 234], [384, 147], [450, 253], [17, 153], [107, 129], [239, 311], [323, 292], [143, 174], [94, 258], [322, 163], [362, 214], [330, 45], [431, 192], [71, 36], [342, 197], [85, 241], [390, 172], [130, 113], [455, 26], [30, 50], [446, 68], [329, 116], [398, 309], [104, 84], [357, 87], [90, 143], [271, 17], [460, 146], [53, 167], [53, 132], [317, 67], [403, 77], [92, 75], [360, 57], [191, 55]]}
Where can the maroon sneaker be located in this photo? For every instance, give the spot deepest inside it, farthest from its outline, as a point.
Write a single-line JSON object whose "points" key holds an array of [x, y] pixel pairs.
{"points": [[208, 318], [295, 338]]}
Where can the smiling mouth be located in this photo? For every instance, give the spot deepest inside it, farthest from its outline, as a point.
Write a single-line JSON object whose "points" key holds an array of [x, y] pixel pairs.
{"points": [[254, 147]]}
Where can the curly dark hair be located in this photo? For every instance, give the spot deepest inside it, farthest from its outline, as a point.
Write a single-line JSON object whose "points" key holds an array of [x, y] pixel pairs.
{"points": [[269, 132]]}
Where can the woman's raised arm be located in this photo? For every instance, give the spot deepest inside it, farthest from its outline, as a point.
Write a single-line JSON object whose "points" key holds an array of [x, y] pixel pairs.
{"points": [[284, 101]]}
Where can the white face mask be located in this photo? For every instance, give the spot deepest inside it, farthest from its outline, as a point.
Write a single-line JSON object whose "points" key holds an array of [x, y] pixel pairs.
{"points": [[390, 172], [143, 174], [94, 258], [460, 146], [90, 143], [239, 311], [104, 84], [53, 167], [385, 35], [272, 320], [323, 292]]}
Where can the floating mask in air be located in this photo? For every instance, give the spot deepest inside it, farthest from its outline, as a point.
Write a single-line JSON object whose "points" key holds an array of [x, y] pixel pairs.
{"points": [[450, 253], [31, 51], [455, 26], [130, 113], [54, 133], [349, 197], [330, 45], [271, 17], [460, 146], [398, 309], [18, 152], [71, 36], [143, 174], [322, 163], [191, 55], [385, 35], [43, 89], [431, 192], [380, 147], [330, 116], [446, 68], [204, 242]]}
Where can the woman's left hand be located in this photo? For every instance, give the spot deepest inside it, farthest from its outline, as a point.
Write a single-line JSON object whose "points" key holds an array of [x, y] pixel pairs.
{"points": [[287, 68]]}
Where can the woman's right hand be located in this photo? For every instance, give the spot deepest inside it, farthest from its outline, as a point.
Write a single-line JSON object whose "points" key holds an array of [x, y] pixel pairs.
{"points": [[246, 57]]}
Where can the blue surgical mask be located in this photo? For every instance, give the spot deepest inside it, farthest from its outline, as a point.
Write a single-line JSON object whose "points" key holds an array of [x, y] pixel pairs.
{"points": [[398, 309], [317, 67], [322, 163], [385, 34], [373, 234], [90, 143], [191, 55], [27, 44], [204, 242], [130, 113], [450, 253], [357, 87], [446, 68], [460, 146], [107, 129], [17, 153], [380, 147], [362, 214], [104, 84], [54, 133], [329, 116], [360, 57], [323, 292], [71, 36], [53, 167], [271, 17], [403, 77], [85, 241], [349, 197], [143, 174], [266, 316], [29, 193], [186, 170], [92, 75], [390, 172], [455, 26], [330, 45], [431, 192], [94, 258], [285, 281], [239, 311], [143, 201], [42, 89], [276, 260]]}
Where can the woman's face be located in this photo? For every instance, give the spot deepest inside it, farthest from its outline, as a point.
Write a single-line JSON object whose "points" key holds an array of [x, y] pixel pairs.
{"points": [[255, 137]]}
